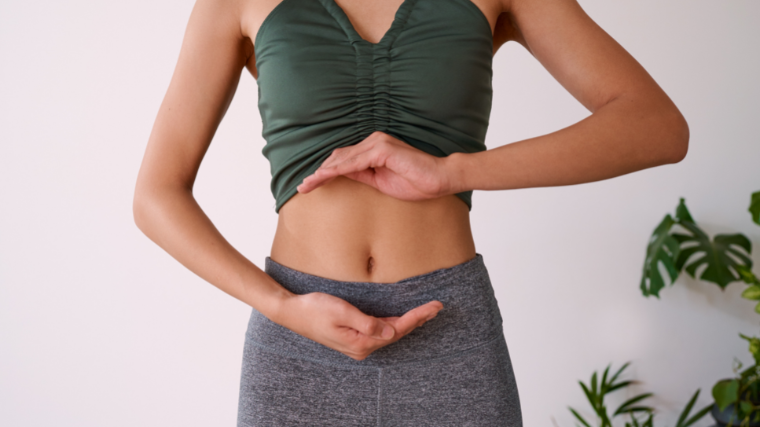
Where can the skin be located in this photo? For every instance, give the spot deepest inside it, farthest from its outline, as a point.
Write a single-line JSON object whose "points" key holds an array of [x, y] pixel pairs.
{"points": [[381, 211]]}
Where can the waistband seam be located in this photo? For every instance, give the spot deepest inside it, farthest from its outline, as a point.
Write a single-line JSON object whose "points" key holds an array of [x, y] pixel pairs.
{"points": [[499, 335], [379, 396]]}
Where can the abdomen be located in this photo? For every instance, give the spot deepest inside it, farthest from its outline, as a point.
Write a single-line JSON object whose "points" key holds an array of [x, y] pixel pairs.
{"points": [[347, 230]]}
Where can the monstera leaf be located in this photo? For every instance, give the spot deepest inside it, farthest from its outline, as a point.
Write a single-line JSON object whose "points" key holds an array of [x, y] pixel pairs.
{"points": [[662, 248], [725, 258], [713, 254], [754, 207]]}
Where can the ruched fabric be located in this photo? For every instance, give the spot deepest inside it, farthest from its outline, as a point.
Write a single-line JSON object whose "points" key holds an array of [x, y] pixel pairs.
{"points": [[321, 86]]}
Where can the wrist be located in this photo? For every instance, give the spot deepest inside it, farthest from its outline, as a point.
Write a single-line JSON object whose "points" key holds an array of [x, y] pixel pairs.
{"points": [[275, 307], [455, 166]]}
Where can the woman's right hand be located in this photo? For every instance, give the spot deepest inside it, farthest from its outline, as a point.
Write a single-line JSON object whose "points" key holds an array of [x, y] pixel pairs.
{"points": [[335, 323]]}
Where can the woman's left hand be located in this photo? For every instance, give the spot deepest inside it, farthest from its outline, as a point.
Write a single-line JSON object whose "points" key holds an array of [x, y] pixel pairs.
{"points": [[388, 164]]}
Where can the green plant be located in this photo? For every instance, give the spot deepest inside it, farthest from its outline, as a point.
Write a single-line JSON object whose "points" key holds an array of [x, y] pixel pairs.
{"points": [[754, 207], [743, 392], [725, 258], [597, 390]]}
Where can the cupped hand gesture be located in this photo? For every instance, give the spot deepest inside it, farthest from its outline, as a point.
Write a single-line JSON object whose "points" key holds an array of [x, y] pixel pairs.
{"points": [[388, 164], [337, 324]]}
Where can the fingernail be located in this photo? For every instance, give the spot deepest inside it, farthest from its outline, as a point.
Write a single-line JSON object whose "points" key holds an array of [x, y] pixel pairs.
{"points": [[387, 332]]}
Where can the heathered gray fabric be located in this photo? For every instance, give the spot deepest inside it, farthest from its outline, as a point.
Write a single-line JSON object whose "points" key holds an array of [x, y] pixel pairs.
{"points": [[454, 370]]}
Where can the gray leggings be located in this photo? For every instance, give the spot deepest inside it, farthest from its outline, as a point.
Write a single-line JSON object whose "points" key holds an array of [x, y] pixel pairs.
{"points": [[452, 371]]}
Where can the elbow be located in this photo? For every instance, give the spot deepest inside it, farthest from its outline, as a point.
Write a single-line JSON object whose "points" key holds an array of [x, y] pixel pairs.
{"points": [[139, 209], [143, 205], [153, 202], [675, 142]]}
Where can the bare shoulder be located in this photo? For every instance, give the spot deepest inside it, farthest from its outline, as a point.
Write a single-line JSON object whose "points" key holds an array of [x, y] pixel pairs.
{"points": [[220, 13], [519, 14], [221, 20], [580, 55]]}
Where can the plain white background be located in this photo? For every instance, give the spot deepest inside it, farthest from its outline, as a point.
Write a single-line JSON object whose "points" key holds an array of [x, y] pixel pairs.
{"points": [[100, 327]]}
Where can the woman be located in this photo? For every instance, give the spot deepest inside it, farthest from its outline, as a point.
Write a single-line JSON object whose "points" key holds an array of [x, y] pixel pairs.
{"points": [[373, 307]]}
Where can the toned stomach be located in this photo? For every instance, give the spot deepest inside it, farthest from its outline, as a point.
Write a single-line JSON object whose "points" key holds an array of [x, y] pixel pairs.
{"points": [[349, 231]]}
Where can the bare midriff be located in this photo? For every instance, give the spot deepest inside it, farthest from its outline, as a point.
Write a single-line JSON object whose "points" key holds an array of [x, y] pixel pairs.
{"points": [[349, 231]]}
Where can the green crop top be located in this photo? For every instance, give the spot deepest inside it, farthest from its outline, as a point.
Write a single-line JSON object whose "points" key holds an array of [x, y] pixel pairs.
{"points": [[321, 86]]}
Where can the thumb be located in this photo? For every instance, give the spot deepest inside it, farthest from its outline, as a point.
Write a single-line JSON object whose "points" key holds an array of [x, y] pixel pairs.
{"points": [[368, 325], [415, 317]]}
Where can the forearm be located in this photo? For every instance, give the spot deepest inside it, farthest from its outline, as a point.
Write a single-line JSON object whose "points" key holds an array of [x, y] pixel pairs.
{"points": [[173, 220], [625, 135]]}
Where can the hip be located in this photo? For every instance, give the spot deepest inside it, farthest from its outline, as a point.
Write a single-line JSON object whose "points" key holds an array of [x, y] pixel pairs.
{"points": [[454, 370]]}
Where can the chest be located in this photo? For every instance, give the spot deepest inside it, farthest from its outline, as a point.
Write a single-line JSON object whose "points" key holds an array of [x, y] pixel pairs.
{"points": [[432, 66], [374, 22]]}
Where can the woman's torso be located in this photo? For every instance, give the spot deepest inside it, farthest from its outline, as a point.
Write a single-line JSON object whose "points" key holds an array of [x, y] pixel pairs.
{"points": [[346, 230]]}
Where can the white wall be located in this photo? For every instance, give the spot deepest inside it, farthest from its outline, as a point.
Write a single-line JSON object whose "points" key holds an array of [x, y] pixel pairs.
{"points": [[100, 327]]}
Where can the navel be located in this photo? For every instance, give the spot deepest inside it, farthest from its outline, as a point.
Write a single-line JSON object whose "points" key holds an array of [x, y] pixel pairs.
{"points": [[370, 264]]}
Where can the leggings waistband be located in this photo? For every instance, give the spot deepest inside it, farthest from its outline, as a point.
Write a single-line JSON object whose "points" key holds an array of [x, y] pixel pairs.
{"points": [[470, 316]]}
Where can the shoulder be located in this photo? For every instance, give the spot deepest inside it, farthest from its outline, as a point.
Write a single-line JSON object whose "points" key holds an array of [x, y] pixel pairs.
{"points": [[228, 10], [222, 21], [219, 16], [523, 17]]}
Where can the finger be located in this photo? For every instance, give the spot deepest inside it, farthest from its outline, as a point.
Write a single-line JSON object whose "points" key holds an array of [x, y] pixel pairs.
{"points": [[318, 178], [306, 187], [367, 176], [314, 181], [341, 153], [367, 325], [357, 163], [416, 317]]}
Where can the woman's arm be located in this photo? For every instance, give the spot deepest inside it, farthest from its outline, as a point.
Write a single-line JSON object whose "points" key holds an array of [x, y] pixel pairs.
{"points": [[634, 125], [213, 54], [206, 76]]}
